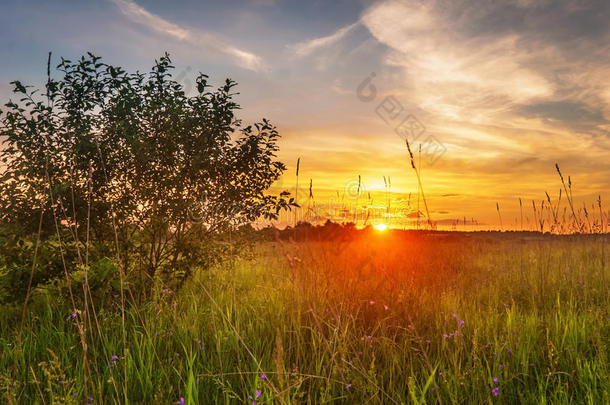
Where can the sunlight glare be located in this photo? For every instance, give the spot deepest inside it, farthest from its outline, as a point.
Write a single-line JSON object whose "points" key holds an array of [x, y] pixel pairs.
{"points": [[381, 227]]}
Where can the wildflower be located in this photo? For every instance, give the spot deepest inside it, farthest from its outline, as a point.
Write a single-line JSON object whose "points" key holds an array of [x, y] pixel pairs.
{"points": [[460, 323], [263, 376], [428, 341], [74, 395], [348, 386], [454, 316], [181, 402], [385, 307], [495, 379], [114, 357], [372, 302], [257, 394], [509, 351], [495, 391]]}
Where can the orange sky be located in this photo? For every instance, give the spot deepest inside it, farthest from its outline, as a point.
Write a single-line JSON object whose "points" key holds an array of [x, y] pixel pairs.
{"points": [[504, 89]]}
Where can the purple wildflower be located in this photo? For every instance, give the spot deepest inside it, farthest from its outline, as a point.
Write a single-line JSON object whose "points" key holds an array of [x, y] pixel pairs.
{"points": [[263, 376], [495, 391], [181, 402], [495, 379], [348, 386], [460, 323], [257, 394], [372, 302], [114, 357]]}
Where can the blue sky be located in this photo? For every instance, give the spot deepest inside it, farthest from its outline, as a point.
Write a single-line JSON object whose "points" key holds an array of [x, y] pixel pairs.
{"points": [[507, 88]]}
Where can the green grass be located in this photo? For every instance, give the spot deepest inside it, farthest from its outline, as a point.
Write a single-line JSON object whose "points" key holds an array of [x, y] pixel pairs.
{"points": [[380, 319]]}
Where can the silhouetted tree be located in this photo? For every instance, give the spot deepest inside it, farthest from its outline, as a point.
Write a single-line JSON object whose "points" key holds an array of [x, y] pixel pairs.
{"points": [[104, 151]]}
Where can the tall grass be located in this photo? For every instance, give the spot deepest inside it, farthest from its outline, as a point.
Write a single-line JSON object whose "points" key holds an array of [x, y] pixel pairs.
{"points": [[383, 318]]}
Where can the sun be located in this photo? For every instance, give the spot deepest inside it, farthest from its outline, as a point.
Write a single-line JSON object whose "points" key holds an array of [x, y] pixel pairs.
{"points": [[381, 227]]}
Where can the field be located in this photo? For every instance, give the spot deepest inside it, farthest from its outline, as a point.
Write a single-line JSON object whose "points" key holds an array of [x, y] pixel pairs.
{"points": [[360, 317]]}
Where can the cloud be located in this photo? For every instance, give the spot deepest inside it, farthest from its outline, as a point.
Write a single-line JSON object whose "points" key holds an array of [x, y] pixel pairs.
{"points": [[453, 74], [140, 15], [307, 47], [197, 38], [565, 111]]}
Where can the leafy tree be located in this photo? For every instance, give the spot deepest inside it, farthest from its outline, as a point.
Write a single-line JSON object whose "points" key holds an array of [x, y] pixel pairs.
{"points": [[130, 161]]}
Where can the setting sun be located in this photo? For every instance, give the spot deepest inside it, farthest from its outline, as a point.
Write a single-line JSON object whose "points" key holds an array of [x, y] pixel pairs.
{"points": [[381, 227]]}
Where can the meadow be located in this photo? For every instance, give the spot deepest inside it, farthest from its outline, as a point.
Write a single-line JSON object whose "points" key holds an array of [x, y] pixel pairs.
{"points": [[358, 316]]}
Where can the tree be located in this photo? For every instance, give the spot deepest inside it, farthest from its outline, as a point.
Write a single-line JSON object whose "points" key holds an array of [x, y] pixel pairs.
{"points": [[130, 160]]}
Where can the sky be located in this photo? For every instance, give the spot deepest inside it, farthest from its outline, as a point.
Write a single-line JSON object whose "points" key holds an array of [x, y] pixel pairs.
{"points": [[493, 93]]}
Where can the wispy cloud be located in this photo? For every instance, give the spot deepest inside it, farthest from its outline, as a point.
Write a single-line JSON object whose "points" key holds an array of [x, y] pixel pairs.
{"points": [[471, 75], [307, 47], [140, 15]]}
